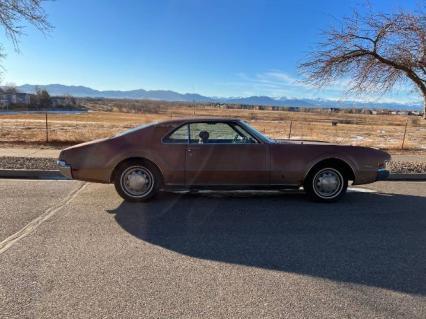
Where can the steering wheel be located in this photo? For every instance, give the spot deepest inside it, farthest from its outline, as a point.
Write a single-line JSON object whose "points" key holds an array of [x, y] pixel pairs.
{"points": [[236, 138]]}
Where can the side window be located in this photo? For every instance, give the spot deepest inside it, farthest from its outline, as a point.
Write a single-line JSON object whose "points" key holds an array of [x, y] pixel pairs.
{"points": [[179, 136], [216, 133]]}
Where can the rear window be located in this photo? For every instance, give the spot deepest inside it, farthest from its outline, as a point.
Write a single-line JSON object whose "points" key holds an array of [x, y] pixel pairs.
{"points": [[178, 136]]}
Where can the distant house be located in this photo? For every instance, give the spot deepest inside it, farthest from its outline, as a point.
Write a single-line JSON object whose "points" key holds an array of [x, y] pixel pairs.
{"points": [[402, 112], [366, 111], [57, 101], [385, 112], [62, 101], [22, 98], [7, 99]]}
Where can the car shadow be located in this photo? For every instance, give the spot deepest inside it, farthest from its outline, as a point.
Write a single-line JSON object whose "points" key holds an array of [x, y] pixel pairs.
{"points": [[369, 239]]}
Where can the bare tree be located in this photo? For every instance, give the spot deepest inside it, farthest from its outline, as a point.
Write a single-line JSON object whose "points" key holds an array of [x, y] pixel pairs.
{"points": [[377, 51], [14, 12], [43, 98], [10, 88]]}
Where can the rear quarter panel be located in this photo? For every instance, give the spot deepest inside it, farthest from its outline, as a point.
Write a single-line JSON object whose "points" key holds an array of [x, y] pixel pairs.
{"points": [[147, 143], [95, 161]]}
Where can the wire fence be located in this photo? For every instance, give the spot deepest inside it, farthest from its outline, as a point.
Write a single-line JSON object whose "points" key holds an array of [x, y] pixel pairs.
{"points": [[68, 129], [382, 136]]}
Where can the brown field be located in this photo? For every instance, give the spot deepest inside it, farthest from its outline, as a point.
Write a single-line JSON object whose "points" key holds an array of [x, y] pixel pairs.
{"points": [[383, 131]]}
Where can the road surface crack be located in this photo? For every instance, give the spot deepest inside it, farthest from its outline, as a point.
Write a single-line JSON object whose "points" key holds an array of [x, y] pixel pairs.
{"points": [[35, 223]]}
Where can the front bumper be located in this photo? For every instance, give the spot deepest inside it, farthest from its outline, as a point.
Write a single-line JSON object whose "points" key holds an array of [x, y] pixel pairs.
{"points": [[65, 169], [382, 174]]}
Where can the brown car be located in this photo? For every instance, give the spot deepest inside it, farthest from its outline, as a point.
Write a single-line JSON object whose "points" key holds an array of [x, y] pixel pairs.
{"points": [[220, 154]]}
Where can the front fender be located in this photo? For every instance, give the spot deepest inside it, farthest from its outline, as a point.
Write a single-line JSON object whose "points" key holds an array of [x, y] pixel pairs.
{"points": [[349, 160]]}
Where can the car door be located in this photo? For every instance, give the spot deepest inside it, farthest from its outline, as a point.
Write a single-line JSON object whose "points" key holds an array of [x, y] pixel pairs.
{"points": [[222, 153], [173, 150]]}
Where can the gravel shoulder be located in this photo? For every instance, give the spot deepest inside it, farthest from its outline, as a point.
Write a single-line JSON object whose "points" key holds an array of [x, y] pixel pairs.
{"points": [[39, 163], [407, 167]]}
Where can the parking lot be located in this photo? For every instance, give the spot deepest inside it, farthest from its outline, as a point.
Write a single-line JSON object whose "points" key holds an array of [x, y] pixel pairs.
{"points": [[73, 249]]}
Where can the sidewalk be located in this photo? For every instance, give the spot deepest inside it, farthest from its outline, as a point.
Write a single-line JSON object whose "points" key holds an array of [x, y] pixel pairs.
{"points": [[29, 152]]}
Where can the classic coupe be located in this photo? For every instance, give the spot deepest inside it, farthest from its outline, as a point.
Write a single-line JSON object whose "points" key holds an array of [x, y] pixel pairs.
{"points": [[217, 153]]}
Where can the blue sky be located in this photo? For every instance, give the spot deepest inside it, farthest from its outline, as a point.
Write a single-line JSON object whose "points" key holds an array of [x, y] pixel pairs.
{"points": [[215, 48]]}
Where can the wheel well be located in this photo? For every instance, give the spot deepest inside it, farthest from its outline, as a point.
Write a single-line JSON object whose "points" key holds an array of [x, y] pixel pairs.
{"points": [[137, 159], [336, 163]]}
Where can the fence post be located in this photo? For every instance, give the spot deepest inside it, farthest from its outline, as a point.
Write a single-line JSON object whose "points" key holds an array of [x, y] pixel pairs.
{"points": [[289, 133], [47, 130], [405, 133]]}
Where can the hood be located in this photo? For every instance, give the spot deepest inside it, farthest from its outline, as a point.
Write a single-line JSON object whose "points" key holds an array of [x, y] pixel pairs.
{"points": [[307, 142]]}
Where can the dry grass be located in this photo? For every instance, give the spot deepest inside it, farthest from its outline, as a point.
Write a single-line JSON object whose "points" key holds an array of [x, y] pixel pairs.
{"points": [[384, 131]]}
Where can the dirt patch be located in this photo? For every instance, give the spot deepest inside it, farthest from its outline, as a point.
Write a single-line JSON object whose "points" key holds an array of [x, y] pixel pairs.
{"points": [[382, 131]]}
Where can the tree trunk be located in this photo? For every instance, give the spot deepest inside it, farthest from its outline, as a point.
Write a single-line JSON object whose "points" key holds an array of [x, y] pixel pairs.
{"points": [[424, 103], [421, 85], [422, 89], [424, 107]]}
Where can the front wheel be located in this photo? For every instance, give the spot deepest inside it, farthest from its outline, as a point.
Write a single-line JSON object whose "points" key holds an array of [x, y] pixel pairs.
{"points": [[326, 184], [136, 181]]}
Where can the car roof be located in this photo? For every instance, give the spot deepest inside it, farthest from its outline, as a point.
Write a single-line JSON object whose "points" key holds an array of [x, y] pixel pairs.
{"points": [[199, 119]]}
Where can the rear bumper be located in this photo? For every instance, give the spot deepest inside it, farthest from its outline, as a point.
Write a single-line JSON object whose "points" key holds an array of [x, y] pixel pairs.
{"points": [[382, 174], [65, 169]]}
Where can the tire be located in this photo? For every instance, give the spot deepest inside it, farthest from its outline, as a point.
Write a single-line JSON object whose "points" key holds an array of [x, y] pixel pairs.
{"points": [[137, 181], [326, 184]]}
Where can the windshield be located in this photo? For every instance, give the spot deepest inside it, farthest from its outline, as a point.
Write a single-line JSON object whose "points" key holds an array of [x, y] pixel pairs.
{"points": [[256, 133]]}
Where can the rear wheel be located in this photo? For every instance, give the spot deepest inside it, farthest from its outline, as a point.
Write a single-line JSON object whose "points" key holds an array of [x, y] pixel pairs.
{"points": [[136, 181], [326, 184]]}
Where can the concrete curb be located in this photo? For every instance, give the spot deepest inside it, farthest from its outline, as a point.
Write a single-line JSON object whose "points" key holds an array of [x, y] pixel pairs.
{"points": [[31, 174], [55, 175], [407, 177]]}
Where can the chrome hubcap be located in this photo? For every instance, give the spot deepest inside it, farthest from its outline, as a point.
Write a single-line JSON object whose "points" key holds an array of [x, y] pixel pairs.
{"points": [[328, 183], [137, 181]]}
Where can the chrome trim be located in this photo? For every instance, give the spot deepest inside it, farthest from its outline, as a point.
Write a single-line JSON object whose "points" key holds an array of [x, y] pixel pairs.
{"points": [[65, 169]]}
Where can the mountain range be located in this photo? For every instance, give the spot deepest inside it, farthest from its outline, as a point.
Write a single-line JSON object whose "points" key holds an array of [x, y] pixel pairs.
{"points": [[167, 95]]}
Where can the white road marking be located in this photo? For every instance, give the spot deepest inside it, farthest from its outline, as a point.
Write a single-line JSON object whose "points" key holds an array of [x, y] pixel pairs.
{"points": [[361, 190], [35, 223]]}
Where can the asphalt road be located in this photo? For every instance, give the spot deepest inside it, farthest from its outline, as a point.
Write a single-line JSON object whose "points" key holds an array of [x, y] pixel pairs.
{"points": [[76, 250]]}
